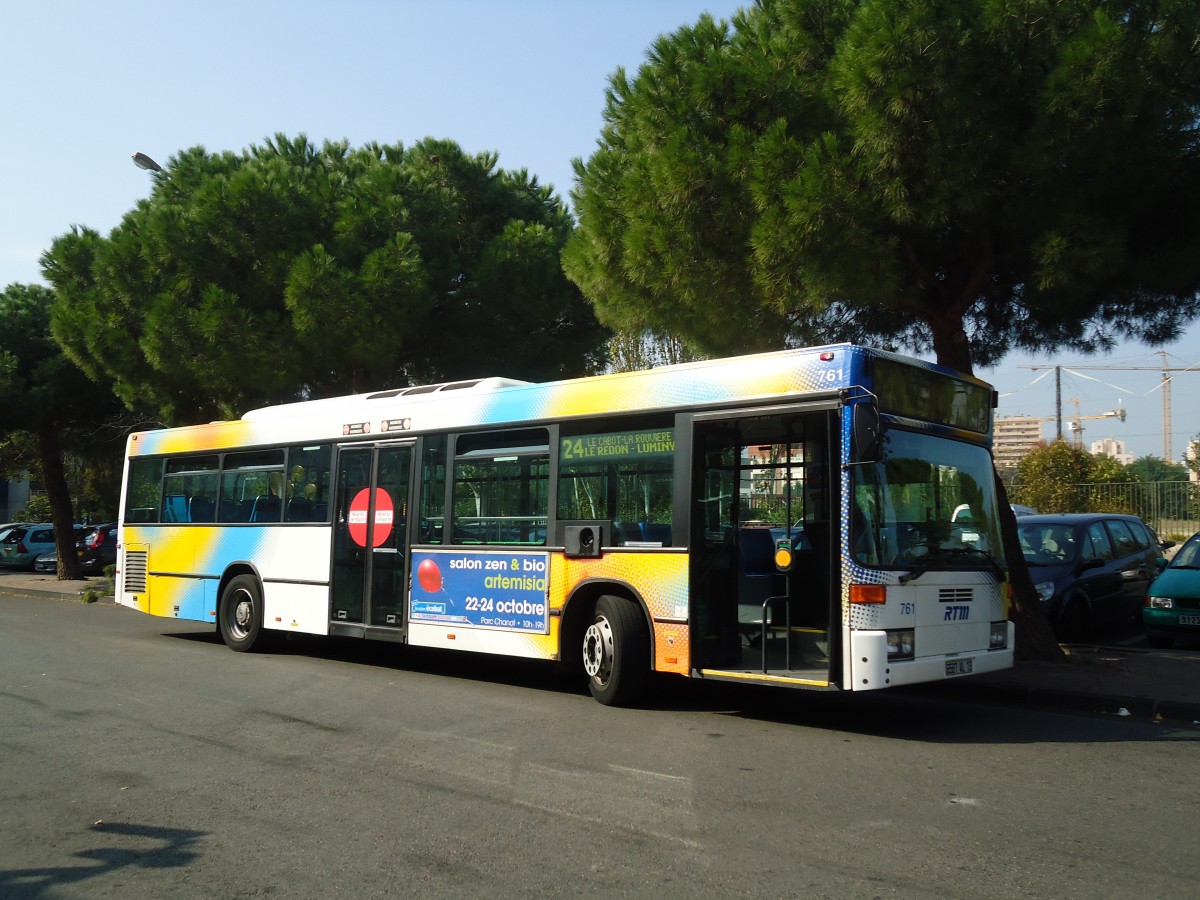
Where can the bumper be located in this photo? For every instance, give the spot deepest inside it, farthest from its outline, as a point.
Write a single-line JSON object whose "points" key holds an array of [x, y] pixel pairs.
{"points": [[871, 669], [1164, 623]]}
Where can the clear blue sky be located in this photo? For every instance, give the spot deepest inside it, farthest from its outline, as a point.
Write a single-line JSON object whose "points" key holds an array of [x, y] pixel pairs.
{"points": [[86, 84]]}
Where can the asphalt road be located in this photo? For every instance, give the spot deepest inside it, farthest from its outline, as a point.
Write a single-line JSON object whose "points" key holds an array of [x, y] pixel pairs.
{"points": [[140, 758]]}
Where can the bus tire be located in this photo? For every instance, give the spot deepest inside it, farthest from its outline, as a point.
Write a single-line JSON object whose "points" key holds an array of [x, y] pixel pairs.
{"points": [[240, 615], [616, 652]]}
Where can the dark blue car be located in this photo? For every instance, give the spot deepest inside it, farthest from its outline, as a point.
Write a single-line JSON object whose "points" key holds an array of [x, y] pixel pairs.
{"points": [[1089, 569]]}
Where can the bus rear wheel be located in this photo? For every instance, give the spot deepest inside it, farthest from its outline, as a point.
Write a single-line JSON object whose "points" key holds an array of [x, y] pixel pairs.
{"points": [[240, 614], [616, 652]]}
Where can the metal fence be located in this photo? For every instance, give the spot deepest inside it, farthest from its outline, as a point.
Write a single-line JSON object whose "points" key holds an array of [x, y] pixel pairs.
{"points": [[1172, 508]]}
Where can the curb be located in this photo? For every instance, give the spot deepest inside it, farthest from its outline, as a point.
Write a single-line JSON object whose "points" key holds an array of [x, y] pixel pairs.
{"points": [[65, 596]]}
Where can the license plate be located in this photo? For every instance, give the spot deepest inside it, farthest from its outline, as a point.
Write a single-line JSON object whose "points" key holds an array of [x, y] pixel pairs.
{"points": [[959, 667], [1189, 620]]}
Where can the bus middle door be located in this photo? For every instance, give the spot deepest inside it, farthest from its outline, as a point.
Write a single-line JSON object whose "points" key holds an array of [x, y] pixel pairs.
{"points": [[370, 577]]}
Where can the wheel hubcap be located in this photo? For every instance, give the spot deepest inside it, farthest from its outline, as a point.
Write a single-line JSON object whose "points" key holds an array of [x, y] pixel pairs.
{"points": [[598, 650], [243, 614]]}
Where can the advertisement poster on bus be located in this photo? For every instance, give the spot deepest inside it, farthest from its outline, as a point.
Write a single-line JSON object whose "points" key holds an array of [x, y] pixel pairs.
{"points": [[508, 591]]}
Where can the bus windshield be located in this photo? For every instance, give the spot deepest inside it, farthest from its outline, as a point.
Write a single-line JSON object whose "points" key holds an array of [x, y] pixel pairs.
{"points": [[929, 503]]}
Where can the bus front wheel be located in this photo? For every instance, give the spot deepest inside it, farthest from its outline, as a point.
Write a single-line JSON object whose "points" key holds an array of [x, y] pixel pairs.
{"points": [[616, 652], [240, 614]]}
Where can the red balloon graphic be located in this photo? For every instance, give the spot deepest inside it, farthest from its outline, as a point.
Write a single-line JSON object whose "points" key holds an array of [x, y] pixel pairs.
{"points": [[429, 575]]}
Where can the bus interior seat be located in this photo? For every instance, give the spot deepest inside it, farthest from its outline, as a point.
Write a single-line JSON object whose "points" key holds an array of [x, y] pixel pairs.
{"points": [[657, 533], [265, 509], [299, 510], [202, 509], [175, 508], [626, 532]]}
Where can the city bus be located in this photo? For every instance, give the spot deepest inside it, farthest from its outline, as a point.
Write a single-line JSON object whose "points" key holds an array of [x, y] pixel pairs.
{"points": [[819, 518]]}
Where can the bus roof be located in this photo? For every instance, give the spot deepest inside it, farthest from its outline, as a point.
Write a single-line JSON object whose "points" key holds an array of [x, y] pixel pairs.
{"points": [[499, 401]]}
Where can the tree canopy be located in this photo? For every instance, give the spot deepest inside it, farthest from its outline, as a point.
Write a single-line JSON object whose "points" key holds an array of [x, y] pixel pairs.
{"points": [[1053, 478], [966, 176], [1155, 468], [288, 272]]}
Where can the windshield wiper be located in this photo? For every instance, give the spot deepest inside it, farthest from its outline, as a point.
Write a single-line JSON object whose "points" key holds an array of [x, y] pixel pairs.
{"points": [[914, 574]]}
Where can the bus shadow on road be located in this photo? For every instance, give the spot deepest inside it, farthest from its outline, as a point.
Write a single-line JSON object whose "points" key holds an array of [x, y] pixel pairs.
{"points": [[925, 715], [921, 713]]}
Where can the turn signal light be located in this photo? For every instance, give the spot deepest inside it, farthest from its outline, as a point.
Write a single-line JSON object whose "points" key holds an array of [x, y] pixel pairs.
{"points": [[868, 593]]}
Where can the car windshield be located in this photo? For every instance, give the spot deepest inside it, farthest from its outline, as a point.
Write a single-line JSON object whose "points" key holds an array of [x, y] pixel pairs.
{"points": [[1047, 544], [1188, 556], [929, 502]]}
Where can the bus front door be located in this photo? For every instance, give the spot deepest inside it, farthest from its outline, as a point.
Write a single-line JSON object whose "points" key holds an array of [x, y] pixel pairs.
{"points": [[370, 578], [762, 482]]}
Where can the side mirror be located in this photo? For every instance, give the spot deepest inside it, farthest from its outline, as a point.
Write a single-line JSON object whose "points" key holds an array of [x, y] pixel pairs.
{"points": [[866, 429], [1160, 564]]}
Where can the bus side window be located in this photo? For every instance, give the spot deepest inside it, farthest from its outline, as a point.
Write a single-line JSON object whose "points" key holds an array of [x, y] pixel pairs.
{"points": [[501, 487]]}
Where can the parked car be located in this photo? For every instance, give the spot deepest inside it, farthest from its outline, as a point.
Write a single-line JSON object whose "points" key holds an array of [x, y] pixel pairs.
{"points": [[47, 562], [1020, 511], [9, 526], [1164, 546], [1089, 568], [1172, 607], [97, 548], [24, 544]]}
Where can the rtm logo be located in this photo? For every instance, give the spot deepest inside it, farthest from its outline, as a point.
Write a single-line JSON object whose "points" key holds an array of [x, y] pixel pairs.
{"points": [[957, 613]]}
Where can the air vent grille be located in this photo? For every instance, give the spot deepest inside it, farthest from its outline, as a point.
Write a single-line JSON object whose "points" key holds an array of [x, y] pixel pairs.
{"points": [[135, 572], [956, 595]]}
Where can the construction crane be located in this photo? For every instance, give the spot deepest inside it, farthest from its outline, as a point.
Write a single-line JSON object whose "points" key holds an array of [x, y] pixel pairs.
{"points": [[1073, 425], [1166, 371], [1076, 428]]}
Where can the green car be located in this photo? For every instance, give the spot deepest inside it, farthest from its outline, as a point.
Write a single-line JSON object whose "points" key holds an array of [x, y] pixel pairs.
{"points": [[1172, 607]]}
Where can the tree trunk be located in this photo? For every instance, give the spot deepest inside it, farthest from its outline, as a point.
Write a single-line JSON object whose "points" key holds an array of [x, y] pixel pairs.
{"points": [[1035, 637], [950, 347], [55, 478]]}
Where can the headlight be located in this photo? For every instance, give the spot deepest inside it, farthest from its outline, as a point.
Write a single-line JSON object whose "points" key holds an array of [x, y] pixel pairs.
{"points": [[900, 644], [999, 636], [1161, 603], [1045, 590]]}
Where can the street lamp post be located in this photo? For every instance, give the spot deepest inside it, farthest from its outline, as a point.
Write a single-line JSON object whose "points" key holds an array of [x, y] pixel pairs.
{"points": [[142, 161]]}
